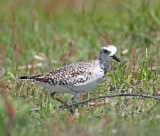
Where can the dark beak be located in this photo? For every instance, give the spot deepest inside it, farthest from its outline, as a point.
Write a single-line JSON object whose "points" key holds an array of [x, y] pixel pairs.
{"points": [[116, 58]]}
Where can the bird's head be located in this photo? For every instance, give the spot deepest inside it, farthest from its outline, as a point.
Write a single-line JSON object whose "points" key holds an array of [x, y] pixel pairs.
{"points": [[108, 51]]}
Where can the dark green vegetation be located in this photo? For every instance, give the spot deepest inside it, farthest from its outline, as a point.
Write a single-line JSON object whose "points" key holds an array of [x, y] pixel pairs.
{"points": [[59, 32]]}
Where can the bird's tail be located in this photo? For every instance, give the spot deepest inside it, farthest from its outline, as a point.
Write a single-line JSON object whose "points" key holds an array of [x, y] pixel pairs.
{"points": [[26, 78], [37, 78]]}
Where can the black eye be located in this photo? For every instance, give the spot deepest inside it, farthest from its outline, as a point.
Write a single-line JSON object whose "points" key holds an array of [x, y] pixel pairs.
{"points": [[106, 51]]}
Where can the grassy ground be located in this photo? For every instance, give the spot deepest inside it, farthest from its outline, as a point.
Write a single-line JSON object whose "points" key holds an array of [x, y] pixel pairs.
{"points": [[55, 33]]}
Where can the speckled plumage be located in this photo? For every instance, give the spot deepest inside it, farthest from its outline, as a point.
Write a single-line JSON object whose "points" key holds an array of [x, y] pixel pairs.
{"points": [[77, 77], [71, 74]]}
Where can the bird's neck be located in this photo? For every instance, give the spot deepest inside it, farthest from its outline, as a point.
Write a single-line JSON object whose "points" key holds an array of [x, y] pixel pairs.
{"points": [[104, 63]]}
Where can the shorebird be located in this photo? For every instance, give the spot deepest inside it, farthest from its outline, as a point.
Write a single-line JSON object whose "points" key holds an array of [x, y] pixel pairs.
{"points": [[79, 77]]}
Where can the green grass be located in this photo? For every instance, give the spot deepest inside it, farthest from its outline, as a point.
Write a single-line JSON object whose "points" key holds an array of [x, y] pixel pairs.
{"points": [[46, 29]]}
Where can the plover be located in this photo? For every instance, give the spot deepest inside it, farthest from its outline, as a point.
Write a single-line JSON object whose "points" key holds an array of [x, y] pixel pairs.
{"points": [[79, 77]]}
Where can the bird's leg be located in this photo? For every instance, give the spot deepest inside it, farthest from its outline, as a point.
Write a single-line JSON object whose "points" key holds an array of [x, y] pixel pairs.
{"points": [[76, 95], [62, 102], [53, 94], [57, 99]]}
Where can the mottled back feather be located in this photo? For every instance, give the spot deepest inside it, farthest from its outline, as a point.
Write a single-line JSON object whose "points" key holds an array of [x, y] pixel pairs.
{"points": [[69, 75]]}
